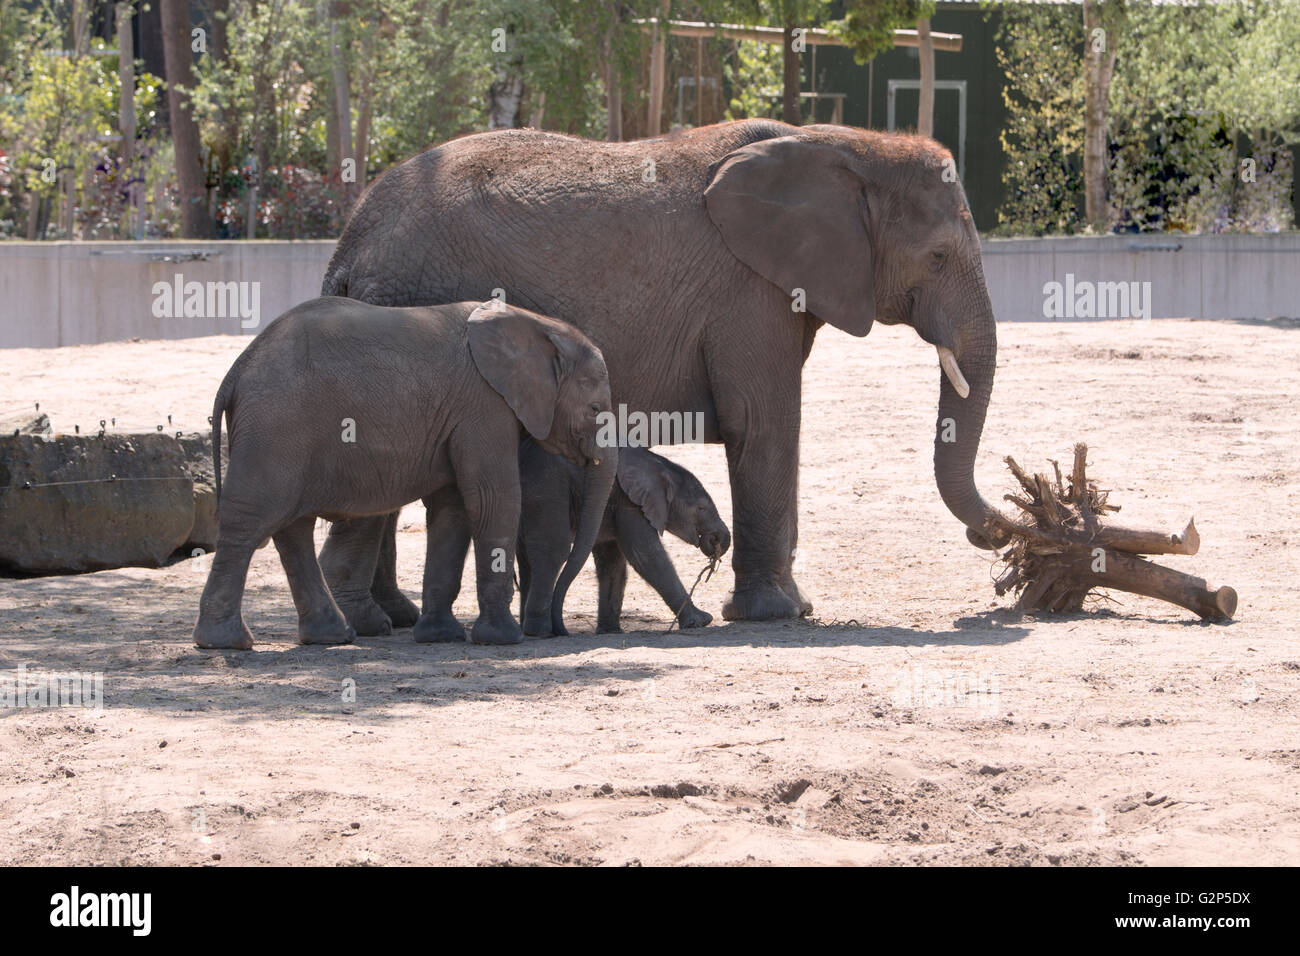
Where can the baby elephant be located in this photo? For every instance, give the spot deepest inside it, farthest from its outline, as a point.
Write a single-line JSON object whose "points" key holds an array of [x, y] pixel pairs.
{"points": [[652, 494], [340, 409]]}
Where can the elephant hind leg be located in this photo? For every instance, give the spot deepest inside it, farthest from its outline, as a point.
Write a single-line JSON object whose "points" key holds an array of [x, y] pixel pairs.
{"points": [[242, 529], [400, 609], [221, 620], [446, 544], [611, 573], [348, 560], [319, 619]]}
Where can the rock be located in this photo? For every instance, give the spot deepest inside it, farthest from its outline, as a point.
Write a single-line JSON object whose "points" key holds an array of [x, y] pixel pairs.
{"points": [[198, 457], [792, 791], [28, 423], [61, 509]]}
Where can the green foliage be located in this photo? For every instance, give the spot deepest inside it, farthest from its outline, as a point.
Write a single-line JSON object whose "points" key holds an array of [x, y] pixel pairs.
{"points": [[58, 115], [1197, 87], [870, 24], [754, 77], [1039, 50], [1196, 90]]}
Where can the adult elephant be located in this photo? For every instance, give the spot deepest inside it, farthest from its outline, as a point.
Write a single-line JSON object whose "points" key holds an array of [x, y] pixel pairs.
{"points": [[702, 264]]}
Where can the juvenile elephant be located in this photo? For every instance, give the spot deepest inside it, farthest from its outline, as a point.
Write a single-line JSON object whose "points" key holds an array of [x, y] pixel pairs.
{"points": [[651, 495], [702, 264], [341, 409]]}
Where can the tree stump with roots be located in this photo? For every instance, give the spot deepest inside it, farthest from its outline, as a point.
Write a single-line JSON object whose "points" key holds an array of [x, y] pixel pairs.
{"points": [[1062, 550]]}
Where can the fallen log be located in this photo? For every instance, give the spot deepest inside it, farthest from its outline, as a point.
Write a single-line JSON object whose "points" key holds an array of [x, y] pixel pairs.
{"points": [[1063, 550]]}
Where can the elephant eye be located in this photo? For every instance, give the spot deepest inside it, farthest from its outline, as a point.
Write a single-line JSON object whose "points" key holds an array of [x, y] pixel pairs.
{"points": [[939, 256], [595, 407]]}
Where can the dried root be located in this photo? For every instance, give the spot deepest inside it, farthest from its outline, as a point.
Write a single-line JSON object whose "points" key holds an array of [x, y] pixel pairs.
{"points": [[1062, 550]]}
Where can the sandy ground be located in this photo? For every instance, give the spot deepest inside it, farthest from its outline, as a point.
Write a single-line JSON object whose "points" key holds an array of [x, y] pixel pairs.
{"points": [[916, 720]]}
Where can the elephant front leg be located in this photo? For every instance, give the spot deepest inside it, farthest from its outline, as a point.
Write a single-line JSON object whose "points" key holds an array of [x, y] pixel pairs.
{"points": [[348, 559], [764, 468], [494, 523], [447, 543], [645, 551]]}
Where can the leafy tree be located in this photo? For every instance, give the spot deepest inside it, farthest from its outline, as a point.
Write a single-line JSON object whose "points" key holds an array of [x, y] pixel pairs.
{"points": [[1038, 49], [870, 24]]}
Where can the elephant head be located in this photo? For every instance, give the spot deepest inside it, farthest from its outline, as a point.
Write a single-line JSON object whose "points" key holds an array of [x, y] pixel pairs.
{"points": [[555, 381], [672, 499], [872, 226]]}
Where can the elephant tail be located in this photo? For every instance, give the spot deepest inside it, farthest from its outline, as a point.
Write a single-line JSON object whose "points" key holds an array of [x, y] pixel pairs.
{"points": [[220, 407]]}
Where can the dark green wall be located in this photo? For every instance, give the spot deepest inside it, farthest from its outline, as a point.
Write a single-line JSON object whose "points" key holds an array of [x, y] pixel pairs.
{"points": [[975, 63]]}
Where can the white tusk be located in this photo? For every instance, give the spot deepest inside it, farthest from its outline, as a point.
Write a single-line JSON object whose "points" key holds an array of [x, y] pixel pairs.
{"points": [[595, 461], [950, 368]]}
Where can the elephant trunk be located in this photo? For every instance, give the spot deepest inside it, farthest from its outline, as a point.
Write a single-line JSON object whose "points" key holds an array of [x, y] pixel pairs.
{"points": [[961, 423], [595, 495]]}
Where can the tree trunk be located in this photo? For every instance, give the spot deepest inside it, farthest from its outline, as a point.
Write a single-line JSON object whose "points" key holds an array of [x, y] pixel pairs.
{"points": [[790, 111], [699, 81], [361, 143], [538, 115], [658, 55], [613, 94], [126, 108], [81, 27], [195, 222], [925, 53], [342, 108], [220, 52], [1098, 69], [505, 96]]}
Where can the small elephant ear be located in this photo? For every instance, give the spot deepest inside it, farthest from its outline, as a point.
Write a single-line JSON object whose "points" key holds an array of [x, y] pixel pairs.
{"points": [[647, 484], [794, 212], [516, 353]]}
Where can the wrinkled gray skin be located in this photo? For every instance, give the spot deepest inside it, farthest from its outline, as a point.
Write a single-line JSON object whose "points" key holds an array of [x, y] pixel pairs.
{"points": [[687, 283], [438, 398], [651, 495]]}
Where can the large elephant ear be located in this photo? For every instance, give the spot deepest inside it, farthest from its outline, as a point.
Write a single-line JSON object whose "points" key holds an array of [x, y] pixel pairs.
{"points": [[519, 356], [795, 213], [647, 483]]}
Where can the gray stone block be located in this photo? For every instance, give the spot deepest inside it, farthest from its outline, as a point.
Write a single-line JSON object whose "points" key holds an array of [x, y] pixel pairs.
{"points": [[86, 503]]}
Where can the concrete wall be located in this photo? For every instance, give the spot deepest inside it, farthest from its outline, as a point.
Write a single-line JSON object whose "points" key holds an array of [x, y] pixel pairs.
{"points": [[78, 293], [1206, 277], [75, 293]]}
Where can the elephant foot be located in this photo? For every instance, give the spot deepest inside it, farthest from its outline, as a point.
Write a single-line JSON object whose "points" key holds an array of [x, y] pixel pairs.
{"points": [[792, 591], [496, 629], [608, 627], [364, 615], [691, 616], [537, 625], [760, 603], [438, 628], [400, 609], [230, 634], [325, 627]]}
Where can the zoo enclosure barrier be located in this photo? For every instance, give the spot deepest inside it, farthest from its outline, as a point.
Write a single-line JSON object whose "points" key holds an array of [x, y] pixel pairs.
{"points": [[82, 293]]}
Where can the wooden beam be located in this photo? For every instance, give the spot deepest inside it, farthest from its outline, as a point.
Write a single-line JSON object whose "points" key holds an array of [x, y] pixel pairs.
{"points": [[947, 42]]}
